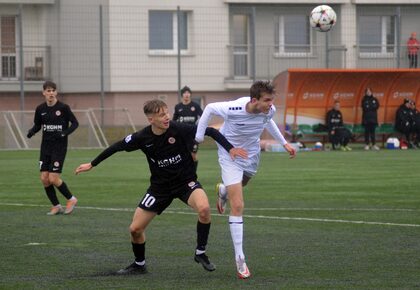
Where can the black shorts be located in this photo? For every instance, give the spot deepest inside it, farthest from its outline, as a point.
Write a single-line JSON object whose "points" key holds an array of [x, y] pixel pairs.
{"points": [[159, 201], [52, 160]]}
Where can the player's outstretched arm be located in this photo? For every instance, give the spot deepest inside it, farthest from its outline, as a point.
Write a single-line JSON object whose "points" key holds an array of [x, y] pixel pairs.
{"points": [[116, 147], [83, 167], [213, 109]]}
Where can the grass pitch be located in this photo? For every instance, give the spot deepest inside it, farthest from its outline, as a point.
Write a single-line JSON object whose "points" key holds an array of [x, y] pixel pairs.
{"points": [[325, 220]]}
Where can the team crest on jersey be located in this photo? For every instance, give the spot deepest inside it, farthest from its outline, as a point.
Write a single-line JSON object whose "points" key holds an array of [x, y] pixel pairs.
{"points": [[57, 113], [127, 139], [192, 109], [56, 164], [171, 140]]}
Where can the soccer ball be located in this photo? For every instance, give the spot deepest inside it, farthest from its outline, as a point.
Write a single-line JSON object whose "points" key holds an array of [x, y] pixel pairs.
{"points": [[323, 18]]}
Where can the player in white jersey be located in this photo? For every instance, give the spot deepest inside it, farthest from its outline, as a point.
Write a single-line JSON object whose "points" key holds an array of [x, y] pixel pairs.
{"points": [[244, 121]]}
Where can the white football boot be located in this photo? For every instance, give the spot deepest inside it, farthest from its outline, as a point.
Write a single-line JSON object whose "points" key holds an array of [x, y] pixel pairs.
{"points": [[221, 194], [242, 269]]}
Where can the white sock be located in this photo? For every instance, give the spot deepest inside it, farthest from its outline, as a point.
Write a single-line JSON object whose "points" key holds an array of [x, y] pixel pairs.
{"points": [[142, 263], [236, 231], [199, 252]]}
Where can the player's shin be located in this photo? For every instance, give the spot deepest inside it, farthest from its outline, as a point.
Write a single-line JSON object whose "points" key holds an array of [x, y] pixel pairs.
{"points": [[52, 196], [139, 251], [65, 190], [236, 232], [202, 237]]}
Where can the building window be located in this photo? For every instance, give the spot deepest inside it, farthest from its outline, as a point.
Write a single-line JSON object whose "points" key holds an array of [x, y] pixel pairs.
{"points": [[294, 35], [376, 35], [163, 31], [8, 46]]}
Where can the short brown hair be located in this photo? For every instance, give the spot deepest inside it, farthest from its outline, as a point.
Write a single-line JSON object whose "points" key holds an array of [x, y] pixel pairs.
{"points": [[261, 87], [153, 106], [49, 84]]}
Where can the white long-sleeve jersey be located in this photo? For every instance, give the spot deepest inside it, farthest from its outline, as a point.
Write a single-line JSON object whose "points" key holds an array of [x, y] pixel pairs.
{"points": [[241, 129]]}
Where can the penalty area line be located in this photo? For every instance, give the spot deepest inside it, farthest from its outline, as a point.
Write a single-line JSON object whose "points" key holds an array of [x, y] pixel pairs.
{"points": [[169, 211]]}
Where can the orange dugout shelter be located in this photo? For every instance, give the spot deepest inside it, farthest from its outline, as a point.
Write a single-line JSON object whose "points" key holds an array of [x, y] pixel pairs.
{"points": [[305, 95]]}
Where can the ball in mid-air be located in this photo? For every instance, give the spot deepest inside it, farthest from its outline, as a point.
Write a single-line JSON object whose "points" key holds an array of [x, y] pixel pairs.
{"points": [[323, 18]]}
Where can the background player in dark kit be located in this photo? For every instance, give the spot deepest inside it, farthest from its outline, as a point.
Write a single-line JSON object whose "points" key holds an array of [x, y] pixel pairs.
{"points": [[189, 112], [54, 117]]}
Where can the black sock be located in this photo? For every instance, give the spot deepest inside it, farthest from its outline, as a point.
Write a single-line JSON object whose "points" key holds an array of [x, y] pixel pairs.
{"points": [[139, 251], [202, 235], [65, 190], [50, 190]]}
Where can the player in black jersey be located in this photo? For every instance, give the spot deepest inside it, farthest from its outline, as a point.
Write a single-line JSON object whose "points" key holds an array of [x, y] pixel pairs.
{"points": [[165, 144], [53, 117], [188, 112]]}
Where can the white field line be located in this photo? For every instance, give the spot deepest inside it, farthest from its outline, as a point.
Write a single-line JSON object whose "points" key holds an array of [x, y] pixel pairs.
{"points": [[175, 211]]}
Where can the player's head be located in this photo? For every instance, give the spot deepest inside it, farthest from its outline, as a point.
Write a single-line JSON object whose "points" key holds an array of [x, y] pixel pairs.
{"points": [[337, 105], [259, 88], [157, 113], [368, 91], [186, 95], [50, 92], [262, 96], [413, 35]]}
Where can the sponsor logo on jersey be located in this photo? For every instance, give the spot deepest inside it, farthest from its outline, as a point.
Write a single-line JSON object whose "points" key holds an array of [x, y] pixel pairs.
{"points": [[58, 113], [171, 140], [192, 184], [52, 128], [235, 108], [169, 161], [128, 138], [187, 119]]}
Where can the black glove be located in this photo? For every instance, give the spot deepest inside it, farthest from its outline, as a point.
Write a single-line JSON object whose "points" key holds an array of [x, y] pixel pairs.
{"points": [[30, 134]]}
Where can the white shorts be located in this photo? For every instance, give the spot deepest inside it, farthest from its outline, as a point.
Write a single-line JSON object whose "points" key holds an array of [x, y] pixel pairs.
{"points": [[233, 171]]}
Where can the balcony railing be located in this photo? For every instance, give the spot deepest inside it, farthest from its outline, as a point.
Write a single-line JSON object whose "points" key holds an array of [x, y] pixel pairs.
{"points": [[36, 63], [270, 60]]}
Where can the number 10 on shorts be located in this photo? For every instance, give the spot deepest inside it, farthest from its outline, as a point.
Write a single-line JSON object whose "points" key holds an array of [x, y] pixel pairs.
{"points": [[148, 200]]}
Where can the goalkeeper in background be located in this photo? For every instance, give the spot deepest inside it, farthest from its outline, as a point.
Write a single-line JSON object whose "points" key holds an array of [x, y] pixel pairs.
{"points": [[53, 117]]}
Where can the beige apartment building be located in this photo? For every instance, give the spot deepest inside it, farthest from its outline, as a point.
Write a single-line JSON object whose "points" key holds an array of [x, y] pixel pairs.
{"points": [[108, 53]]}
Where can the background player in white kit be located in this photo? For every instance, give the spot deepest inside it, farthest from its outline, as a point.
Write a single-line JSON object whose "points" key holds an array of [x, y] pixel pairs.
{"points": [[244, 121]]}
